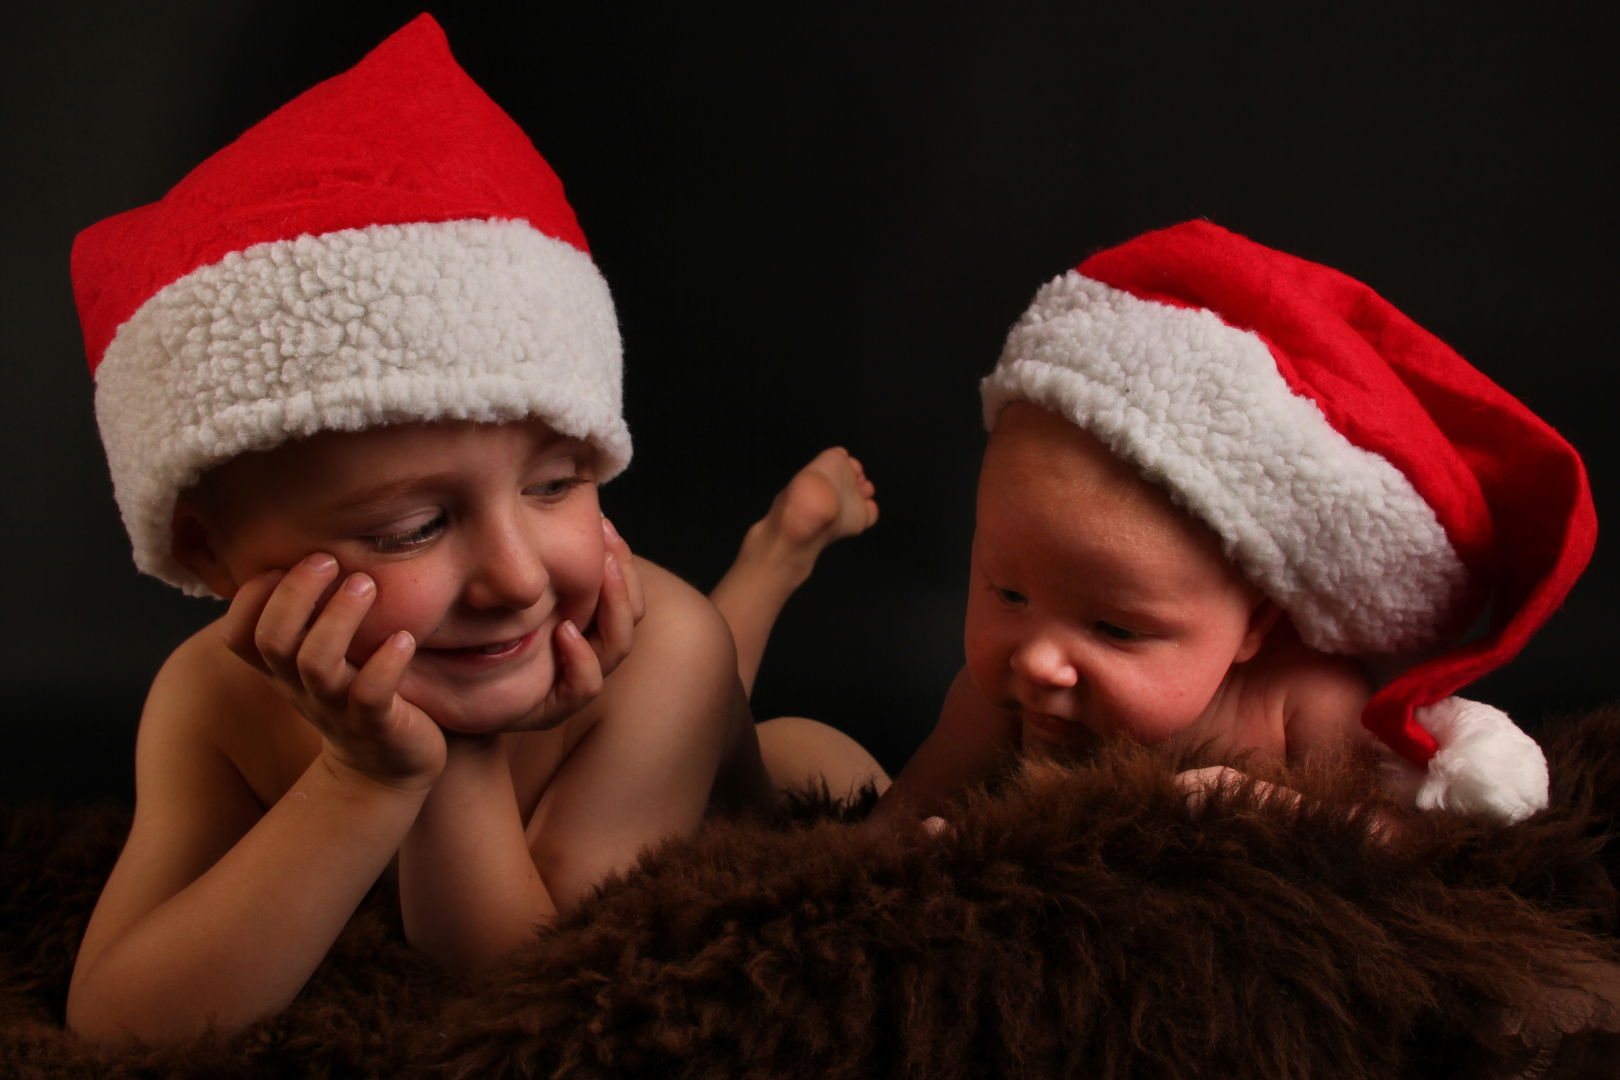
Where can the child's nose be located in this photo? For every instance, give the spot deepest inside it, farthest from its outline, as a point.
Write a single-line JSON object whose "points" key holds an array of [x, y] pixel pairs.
{"points": [[1043, 661], [507, 570]]}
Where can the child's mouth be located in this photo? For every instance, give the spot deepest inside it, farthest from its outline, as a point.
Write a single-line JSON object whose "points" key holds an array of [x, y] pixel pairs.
{"points": [[496, 650], [491, 650]]}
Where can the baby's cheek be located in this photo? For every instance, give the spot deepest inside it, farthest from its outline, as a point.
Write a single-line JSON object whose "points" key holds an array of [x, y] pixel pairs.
{"points": [[986, 663]]}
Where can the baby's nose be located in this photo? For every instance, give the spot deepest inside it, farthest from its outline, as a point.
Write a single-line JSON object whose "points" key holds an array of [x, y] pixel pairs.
{"points": [[1044, 662]]}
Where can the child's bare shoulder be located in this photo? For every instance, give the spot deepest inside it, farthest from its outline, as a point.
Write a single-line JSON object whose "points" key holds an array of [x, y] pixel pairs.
{"points": [[207, 699]]}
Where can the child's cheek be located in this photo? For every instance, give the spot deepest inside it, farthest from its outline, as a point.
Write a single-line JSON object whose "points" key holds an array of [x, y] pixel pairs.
{"points": [[403, 603], [578, 580]]}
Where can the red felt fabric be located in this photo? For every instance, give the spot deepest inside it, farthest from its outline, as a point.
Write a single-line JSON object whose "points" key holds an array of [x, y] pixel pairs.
{"points": [[403, 136], [1510, 493]]}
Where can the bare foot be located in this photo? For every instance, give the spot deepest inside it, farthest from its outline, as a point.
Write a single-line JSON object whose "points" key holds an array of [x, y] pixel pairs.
{"points": [[827, 500]]}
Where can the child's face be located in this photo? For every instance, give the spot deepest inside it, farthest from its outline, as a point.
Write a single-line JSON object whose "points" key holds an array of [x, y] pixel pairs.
{"points": [[481, 538], [1097, 608]]}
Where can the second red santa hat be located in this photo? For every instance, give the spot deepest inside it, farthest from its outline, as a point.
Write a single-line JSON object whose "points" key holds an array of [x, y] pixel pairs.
{"points": [[1361, 473]]}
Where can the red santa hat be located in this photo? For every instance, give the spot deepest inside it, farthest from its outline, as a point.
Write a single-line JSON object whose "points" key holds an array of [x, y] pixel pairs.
{"points": [[386, 248], [1362, 474]]}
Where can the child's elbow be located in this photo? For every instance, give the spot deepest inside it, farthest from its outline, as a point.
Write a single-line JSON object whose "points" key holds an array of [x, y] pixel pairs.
{"points": [[687, 635], [102, 1019]]}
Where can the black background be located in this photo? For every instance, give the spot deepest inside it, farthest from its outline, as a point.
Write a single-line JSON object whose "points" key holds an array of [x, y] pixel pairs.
{"points": [[818, 221]]}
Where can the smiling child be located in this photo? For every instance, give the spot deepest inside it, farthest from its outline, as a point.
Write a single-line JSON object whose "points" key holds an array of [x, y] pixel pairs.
{"points": [[358, 373]]}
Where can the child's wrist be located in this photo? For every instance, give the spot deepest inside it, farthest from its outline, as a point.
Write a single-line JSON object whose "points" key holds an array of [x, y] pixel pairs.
{"points": [[473, 753], [349, 777]]}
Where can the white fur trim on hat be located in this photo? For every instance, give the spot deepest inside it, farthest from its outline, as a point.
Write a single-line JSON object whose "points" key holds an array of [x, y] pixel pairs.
{"points": [[1485, 764], [1337, 536], [489, 321]]}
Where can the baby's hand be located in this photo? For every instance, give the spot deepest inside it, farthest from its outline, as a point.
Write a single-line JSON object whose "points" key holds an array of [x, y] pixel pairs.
{"points": [[273, 624], [584, 661], [1198, 783]]}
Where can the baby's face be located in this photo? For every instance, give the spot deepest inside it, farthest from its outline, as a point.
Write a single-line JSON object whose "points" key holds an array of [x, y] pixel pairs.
{"points": [[1097, 608], [481, 538]]}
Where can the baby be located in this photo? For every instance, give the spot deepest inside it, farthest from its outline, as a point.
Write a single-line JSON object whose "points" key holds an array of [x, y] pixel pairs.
{"points": [[1217, 473], [358, 373]]}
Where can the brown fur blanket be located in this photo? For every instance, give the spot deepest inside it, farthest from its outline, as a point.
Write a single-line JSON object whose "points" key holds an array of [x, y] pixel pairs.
{"points": [[1080, 921]]}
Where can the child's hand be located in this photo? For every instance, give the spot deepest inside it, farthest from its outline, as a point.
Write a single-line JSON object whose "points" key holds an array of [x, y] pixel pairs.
{"points": [[273, 624], [584, 661], [621, 604]]}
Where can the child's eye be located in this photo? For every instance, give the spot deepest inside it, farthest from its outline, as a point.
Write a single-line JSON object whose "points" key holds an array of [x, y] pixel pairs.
{"points": [[555, 488], [1011, 598], [1118, 633], [410, 538]]}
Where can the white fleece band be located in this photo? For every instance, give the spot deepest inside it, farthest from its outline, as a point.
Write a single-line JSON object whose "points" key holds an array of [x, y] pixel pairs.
{"points": [[489, 321], [1337, 536]]}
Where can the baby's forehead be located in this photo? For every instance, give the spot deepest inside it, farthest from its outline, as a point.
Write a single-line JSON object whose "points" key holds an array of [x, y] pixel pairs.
{"points": [[1032, 447], [1057, 479]]}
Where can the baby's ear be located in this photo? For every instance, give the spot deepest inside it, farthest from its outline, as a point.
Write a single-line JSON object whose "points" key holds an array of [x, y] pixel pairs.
{"points": [[195, 546], [1261, 620]]}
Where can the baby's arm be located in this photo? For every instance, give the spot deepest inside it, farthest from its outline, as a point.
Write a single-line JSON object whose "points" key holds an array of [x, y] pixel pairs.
{"points": [[969, 745], [218, 910], [470, 892]]}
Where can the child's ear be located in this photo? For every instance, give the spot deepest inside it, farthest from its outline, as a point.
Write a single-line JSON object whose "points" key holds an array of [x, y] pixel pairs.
{"points": [[1261, 620], [195, 546]]}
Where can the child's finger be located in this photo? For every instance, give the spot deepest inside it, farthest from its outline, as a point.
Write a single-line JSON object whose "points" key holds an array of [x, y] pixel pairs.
{"points": [[322, 660], [615, 617], [287, 613], [240, 622], [373, 687], [579, 677], [620, 549]]}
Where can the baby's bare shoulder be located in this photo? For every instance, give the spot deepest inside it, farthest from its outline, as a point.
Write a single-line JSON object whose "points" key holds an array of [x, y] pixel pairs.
{"points": [[1322, 698]]}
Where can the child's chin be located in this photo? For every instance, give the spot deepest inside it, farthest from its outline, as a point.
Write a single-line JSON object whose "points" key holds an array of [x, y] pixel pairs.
{"points": [[497, 721], [466, 717]]}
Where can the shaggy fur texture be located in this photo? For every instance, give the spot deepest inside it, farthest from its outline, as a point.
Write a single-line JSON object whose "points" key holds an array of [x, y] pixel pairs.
{"points": [[1080, 921]]}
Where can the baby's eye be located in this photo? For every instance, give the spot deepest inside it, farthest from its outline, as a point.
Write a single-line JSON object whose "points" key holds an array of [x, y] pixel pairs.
{"points": [[410, 538], [1011, 598], [1118, 633], [555, 488]]}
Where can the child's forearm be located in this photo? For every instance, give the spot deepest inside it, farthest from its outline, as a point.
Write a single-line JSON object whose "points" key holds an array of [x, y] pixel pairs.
{"points": [[240, 941], [468, 888]]}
